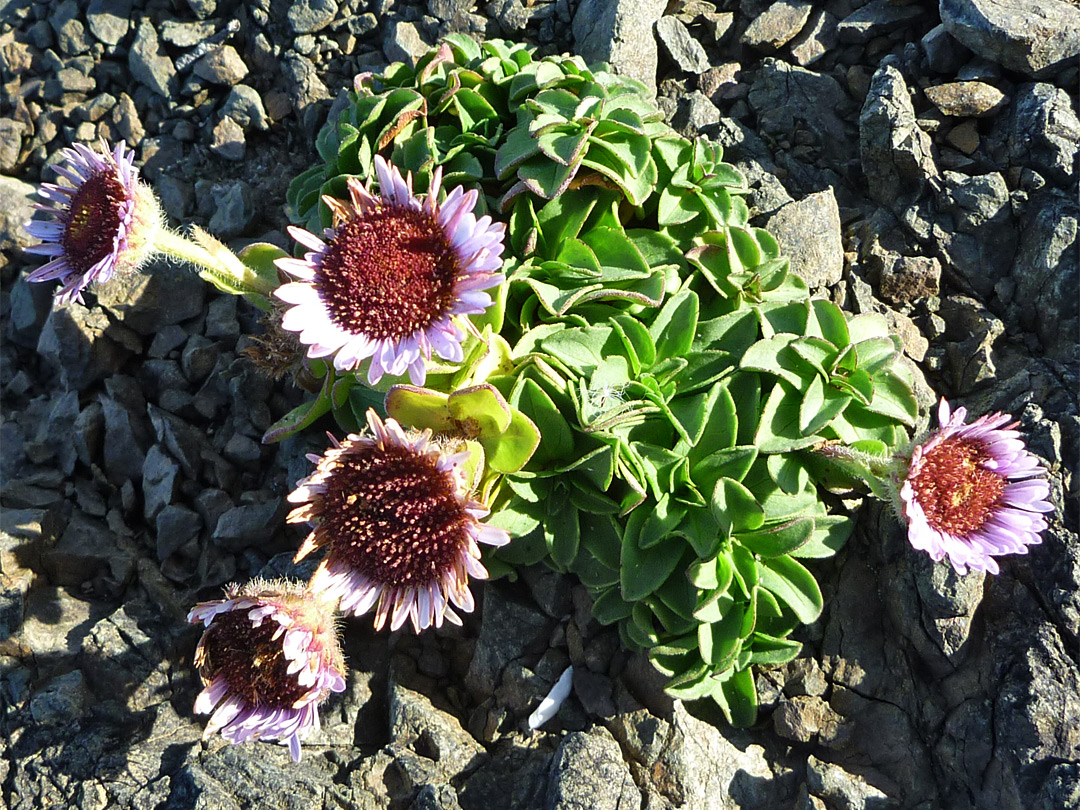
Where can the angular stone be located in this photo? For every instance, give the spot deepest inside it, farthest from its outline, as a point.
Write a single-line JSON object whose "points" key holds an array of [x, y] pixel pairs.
{"points": [[896, 154], [17, 200], [777, 25], [588, 770], [875, 19], [620, 32], [227, 141], [1036, 37], [221, 66], [109, 19], [163, 293], [1043, 132], [809, 235], [943, 53], [840, 788], [685, 51], [245, 525], [76, 345], [966, 99], [175, 526], [87, 551], [160, 474], [403, 42], [309, 16], [817, 38], [244, 106], [70, 34], [148, 62]]}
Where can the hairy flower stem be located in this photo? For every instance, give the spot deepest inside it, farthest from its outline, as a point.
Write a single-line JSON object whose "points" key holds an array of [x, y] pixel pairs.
{"points": [[872, 469], [216, 264]]}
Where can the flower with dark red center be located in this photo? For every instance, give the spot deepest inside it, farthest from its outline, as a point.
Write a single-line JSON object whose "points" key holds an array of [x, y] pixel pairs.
{"points": [[269, 656], [971, 492], [401, 533], [105, 221], [392, 277]]}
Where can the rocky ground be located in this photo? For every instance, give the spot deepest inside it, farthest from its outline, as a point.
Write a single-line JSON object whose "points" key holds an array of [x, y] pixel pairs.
{"points": [[914, 159]]}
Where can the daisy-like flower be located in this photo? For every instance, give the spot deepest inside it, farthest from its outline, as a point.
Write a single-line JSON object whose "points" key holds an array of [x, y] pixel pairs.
{"points": [[105, 221], [269, 656], [401, 533], [971, 492], [392, 277]]}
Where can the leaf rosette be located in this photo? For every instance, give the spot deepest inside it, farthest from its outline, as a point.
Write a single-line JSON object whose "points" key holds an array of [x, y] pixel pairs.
{"points": [[649, 384]]}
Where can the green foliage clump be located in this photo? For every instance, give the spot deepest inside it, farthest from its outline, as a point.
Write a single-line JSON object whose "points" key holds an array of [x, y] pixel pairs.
{"points": [[676, 371]]}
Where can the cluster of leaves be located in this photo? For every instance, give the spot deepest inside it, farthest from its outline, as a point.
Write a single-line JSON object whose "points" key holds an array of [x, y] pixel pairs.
{"points": [[677, 373]]}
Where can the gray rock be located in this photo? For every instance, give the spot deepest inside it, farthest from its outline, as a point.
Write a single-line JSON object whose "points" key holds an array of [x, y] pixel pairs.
{"points": [[685, 51], [62, 700], [17, 200], [124, 457], [698, 765], [841, 789], [896, 153], [148, 62], [244, 106], [202, 8], [235, 209], [109, 19], [160, 476], [76, 344], [1036, 37], [621, 34], [972, 332], [777, 25], [30, 306], [242, 450], [817, 38], [221, 318], [449, 10], [1043, 132], [695, 114], [413, 718], [184, 443], [11, 135], [88, 552], [804, 717], [243, 526], [120, 661], [1046, 272], [403, 42], [187, 34], [199, 358], [809, 234], [175, 526], [943, 53], [221, 66], [309, 16], [875, 19], [161, 294], [790, 99], [507, 630], [70, 33], [53, 435], [948, 603], [227, 141], [126, 120], [304, 85], [588, 770], [166, 340]]}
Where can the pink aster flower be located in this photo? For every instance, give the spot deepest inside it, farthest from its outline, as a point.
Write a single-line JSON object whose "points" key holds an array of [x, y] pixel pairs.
{"points": [[401, 532], [392, 277], [105, 220], [268, 658], [972, 492]]}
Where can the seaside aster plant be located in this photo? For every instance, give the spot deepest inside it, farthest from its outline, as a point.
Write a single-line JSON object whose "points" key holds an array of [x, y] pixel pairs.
{"points": [[268, 658], [105, 221], [401, 532], [971, 492], [392, 276]]}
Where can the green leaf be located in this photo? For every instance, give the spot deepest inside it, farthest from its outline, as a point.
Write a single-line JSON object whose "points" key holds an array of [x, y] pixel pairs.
{"points": [[610, 607], [775, 356], [643, 571], [518, 518], [820, 405], [779, 431], [735, 508], [511, 450], [479, 410], [562, 531], [635, 333], [739, 696], [664, 518], [830, 534], [732, 462], [792, 584], [776, 540], [831, 323], [894, 398], [673, 329], [531, 400]]}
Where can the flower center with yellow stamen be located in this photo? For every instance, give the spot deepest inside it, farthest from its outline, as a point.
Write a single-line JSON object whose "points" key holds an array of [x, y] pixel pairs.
{"points": [[392, 516], [388, 274], [956, 492], [251, 661], [93, 221]]}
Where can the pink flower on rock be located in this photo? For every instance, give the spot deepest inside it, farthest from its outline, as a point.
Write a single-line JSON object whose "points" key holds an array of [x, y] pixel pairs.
{"points": [[268, 658], [104, 221], [401, 532], [389, 282], [973, 492]]}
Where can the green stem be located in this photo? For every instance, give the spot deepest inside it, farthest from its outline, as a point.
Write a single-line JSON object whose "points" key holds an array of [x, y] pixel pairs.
{"points": [[220, 266], [874, 470]]}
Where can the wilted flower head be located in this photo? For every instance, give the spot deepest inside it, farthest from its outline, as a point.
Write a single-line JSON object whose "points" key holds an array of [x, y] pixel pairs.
{"points": [[104, 221], [970, 492], [269, 657], [401, 533], [391, 276]]}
